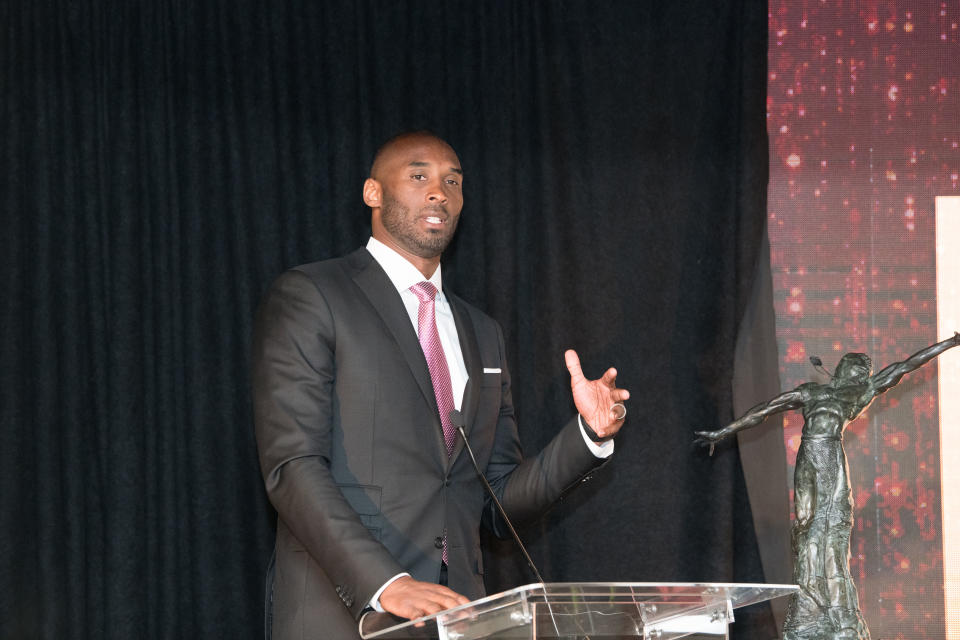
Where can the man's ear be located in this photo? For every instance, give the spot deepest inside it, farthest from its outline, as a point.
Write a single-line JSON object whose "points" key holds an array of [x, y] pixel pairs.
{"points": [[372, 193]]}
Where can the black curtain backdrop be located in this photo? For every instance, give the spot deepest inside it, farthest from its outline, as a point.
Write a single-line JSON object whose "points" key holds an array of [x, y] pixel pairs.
{"points": [[162, 161]]}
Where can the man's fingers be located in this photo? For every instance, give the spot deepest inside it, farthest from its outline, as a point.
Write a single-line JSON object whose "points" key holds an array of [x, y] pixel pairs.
{"points": [[573, 365], [449, 599], [433, 600], [414, 609], [610, 377]]}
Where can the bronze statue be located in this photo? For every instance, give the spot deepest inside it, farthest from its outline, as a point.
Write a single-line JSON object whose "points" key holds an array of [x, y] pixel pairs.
{"points": [[826, 605]]}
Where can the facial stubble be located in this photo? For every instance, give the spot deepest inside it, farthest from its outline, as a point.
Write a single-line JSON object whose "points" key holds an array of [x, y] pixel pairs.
{"points": [[402, 226]]}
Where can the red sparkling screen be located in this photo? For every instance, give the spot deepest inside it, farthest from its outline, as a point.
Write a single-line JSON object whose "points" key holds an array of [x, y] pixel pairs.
{"points": [[863, 107]]}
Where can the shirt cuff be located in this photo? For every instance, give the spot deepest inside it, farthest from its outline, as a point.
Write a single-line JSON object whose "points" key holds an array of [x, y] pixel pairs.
{"points": [[598, 449], [375, 600]]}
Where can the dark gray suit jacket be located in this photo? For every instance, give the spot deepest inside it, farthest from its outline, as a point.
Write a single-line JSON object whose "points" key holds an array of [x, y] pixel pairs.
{"points": [[352, 450]]}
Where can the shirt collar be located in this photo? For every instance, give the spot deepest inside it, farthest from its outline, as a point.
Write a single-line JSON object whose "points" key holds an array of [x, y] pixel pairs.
{"points": [[402, 273]]}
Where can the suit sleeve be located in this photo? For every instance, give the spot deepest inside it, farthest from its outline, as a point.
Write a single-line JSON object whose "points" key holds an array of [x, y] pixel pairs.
{"points": [[527, 487], [293, 361]]}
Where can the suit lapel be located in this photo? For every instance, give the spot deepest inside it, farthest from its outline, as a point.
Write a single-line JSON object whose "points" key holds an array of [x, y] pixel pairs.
{"points": [[383, 296], [473, 364]]}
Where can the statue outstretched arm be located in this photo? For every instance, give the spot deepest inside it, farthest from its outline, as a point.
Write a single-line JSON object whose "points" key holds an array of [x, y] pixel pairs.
{"points": [[783, 402], [890, 375]]}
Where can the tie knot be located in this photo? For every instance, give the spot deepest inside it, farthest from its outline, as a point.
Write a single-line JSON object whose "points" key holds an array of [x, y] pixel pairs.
{"points": [[425, 291]]}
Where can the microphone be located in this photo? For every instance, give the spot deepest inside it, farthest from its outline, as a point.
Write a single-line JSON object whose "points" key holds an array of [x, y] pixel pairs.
{"points": [[818, 365], [456, 418]]}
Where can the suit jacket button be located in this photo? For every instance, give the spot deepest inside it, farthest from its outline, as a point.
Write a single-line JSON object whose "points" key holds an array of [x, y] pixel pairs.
{"points": [[438, 542]]}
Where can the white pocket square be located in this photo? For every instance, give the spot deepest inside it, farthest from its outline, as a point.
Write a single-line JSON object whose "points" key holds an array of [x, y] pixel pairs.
{"points": [[491, 370]]}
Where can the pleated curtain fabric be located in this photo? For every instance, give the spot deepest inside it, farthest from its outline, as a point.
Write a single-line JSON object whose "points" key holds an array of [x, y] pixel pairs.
{"points": [[163, 161]]}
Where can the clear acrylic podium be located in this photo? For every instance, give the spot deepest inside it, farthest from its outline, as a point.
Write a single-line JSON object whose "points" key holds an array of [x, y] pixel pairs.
{"points": [[586, 610]]}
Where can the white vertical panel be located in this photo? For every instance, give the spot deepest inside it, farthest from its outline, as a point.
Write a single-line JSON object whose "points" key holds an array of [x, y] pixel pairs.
{"points": [[948, 321]]}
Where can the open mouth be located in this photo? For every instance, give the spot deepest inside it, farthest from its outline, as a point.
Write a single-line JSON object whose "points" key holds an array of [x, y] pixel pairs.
{"points": [[436, 219]]}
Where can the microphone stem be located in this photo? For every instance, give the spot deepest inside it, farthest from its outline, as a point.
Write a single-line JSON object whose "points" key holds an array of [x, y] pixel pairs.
{"points": [[513, 532], [503, 513]]}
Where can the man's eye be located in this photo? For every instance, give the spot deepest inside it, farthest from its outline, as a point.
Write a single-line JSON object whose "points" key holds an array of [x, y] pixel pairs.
{"points": [[453, 181], [418, 176]]}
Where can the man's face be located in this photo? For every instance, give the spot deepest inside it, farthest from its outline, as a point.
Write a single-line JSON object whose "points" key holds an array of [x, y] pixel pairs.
{"points": [[421, 195]]}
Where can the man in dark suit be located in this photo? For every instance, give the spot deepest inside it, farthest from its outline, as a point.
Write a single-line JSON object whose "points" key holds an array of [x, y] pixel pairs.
{"points": [[362, 368]]}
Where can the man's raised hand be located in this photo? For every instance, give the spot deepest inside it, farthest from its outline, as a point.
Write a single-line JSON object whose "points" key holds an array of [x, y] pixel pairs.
{"points": [[597, 400]]}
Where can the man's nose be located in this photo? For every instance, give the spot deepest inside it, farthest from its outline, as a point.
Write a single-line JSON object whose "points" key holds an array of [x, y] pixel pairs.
{"points": [[436, 194]]}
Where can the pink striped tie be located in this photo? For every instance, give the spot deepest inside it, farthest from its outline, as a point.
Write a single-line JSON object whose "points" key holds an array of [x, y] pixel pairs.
{"points": [[436, 360], [437, 363]]}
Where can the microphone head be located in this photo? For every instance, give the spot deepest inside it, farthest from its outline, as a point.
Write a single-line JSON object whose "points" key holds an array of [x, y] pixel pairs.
{"points": [[818, 365], [456, 419]]}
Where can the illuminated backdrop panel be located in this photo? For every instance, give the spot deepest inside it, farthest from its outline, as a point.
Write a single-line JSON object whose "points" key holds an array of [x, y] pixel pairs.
{"points": [[864, 124]]}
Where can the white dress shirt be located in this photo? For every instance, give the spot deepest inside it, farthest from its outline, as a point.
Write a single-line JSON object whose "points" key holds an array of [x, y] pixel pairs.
{"points": [[404, 275]]}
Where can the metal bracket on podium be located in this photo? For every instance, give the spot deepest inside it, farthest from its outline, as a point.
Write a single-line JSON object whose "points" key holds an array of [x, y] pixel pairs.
{"points": [[585, 610]]}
